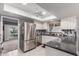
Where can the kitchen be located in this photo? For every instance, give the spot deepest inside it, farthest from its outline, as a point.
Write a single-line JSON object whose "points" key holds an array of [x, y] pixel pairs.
{"points": [[63, 35], [53, 29]]}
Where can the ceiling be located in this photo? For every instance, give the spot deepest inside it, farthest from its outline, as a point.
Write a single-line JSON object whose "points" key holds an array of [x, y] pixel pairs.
{"points": [[31, 8], [61, 10]]}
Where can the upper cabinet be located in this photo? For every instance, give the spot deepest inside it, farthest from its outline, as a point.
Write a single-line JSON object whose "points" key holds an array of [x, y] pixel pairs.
{"points": [[69, 23], [45, 25], [38, 25], [54, 26], [49, 25], [41, 25], [54, 23]]}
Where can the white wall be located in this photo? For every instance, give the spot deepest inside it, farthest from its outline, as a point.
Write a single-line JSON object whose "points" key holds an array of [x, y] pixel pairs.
{"points": [[69, 23]]}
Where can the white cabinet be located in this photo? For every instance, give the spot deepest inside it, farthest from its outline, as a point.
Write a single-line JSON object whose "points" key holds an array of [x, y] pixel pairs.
{"points": [[69, 23], [46, 39], [54, 52], [45, 26], [38, 25], [39, 38]]}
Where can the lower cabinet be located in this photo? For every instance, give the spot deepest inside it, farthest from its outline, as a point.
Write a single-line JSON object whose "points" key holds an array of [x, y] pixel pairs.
{"points": [[39, 40], [46, 39], [54, 52], [68, 47]]}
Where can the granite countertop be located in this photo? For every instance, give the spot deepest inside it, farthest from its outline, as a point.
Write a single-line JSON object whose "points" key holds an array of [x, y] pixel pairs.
{"points": [[55, 34]]}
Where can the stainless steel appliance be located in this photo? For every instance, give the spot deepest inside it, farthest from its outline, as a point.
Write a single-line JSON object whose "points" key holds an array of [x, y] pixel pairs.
{"points": [[27, 36]]}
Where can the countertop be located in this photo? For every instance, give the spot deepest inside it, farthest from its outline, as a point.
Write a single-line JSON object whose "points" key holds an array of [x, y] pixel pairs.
{"points": [[64, 37], [56, 34]]}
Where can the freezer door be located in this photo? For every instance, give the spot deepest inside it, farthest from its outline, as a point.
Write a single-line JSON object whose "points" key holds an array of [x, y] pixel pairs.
{"points": [[28, 45], [32, 44]]}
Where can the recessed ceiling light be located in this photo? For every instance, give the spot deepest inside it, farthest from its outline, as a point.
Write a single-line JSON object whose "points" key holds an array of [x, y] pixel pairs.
{"points": [[43, 13], [24, 3]]}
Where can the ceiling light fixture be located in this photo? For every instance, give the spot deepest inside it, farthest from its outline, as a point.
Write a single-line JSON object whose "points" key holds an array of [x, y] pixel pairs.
{"points": [[43, 13], [40, 13], [24, 3]]}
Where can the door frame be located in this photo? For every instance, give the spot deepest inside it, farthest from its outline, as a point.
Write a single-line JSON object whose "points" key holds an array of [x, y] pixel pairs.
{"points": [[2, 18]]}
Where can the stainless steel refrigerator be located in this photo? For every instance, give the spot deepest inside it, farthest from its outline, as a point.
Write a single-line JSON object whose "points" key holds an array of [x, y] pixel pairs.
{"points": [[27, 36]]}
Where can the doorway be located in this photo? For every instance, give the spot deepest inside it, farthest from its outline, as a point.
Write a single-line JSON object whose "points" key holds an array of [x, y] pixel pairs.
{"points": [[9, 34]]}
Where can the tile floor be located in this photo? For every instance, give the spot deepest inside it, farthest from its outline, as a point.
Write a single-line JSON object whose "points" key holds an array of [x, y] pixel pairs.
{"points": [[10, 45], [39, 51]]}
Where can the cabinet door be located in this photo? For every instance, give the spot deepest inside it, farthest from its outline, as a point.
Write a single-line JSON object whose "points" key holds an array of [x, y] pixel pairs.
{"points": [[54, 52], [46, 39]]}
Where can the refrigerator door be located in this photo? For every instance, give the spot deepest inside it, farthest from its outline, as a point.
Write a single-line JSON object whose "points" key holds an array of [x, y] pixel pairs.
{"points": [[29, 36], [29, 29], [33, 32]]}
